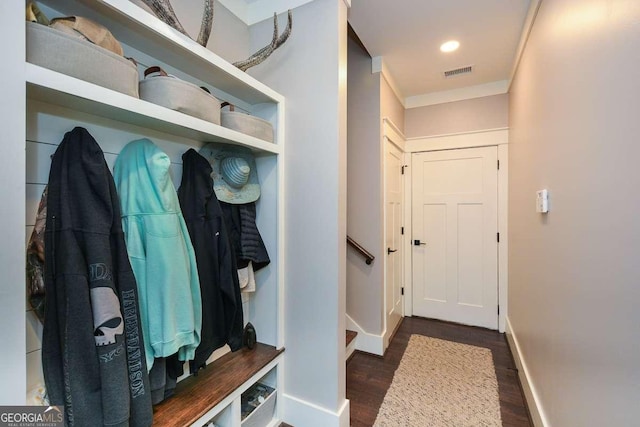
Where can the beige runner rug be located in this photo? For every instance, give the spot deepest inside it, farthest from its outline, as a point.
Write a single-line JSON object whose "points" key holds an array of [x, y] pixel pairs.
{"points": [[442, 383]]}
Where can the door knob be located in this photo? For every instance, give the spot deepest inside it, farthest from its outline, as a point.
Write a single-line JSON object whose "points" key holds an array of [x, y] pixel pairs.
{"points": [[417, 242], [390, 251]]}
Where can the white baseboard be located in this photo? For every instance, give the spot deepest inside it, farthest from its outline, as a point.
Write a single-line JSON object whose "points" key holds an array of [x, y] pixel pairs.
{"points": [[350, 349], [365, 341], [532, 399], [344, 414], [298, 412]]}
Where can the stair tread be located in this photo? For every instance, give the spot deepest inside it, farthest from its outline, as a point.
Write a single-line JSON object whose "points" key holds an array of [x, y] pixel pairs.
{"points": [[351, 335]]}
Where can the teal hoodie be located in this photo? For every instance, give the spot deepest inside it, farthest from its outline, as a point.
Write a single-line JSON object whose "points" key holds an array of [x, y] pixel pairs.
{"points": [[160, 252]]}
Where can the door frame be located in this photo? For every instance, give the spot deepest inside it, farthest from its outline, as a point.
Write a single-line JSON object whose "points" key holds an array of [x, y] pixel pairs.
{"points": [[392, 134], [493, 137]]}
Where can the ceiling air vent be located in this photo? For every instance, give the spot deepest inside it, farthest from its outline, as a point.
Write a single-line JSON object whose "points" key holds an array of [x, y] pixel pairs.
{"points": [[459, 71]]}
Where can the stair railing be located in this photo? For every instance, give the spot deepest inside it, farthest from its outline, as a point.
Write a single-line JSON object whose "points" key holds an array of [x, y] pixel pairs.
{"points": [[368, 257]]}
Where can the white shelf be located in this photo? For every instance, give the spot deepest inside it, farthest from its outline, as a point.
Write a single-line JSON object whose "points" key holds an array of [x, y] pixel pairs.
{"points": [[59, 89], [146, 33]]}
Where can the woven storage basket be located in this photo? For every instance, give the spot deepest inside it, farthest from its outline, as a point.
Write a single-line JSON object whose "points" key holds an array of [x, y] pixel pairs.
{"points": [[64, 53], [247, 124], [180, 95]]}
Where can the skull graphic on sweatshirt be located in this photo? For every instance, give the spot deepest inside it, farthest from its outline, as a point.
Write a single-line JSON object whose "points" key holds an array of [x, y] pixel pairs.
{"points": [[107, 318]]}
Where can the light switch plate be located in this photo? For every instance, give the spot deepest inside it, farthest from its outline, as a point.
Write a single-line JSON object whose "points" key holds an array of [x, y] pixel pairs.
{"points": [[542, 201]]}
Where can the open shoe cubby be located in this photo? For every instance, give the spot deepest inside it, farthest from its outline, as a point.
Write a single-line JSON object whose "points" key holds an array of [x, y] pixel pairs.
{"points": [[258, 401], [56, 103]]}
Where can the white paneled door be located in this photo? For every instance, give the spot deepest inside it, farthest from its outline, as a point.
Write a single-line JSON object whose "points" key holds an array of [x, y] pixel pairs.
{"points": [[393, 238], [455, 225]]}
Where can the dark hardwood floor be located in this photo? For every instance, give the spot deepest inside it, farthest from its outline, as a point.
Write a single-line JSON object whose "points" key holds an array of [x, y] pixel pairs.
{"points": [[369, 376]]}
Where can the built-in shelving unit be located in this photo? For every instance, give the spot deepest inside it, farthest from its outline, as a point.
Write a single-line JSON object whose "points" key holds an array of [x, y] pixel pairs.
{"points": [[215, 394]]}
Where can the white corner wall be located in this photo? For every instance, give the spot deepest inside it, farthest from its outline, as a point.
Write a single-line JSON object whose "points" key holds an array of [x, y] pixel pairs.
{"points": [[573, 273], [12, 164], [310, 71]]}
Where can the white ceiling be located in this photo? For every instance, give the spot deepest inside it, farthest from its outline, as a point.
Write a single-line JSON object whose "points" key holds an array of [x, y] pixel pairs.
{"points": [[407, 34], [404, 37]]}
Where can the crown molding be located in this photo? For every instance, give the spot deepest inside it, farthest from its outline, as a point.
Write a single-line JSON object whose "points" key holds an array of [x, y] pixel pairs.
{"points": [[461, 94], [534, 6], [378, 66]]}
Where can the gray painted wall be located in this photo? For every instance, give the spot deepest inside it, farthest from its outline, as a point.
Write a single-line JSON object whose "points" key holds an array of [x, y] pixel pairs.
{"points": [[490, 112], [370, 100], [309, 70], [229, 37], [573, 274], [390, 106], [364, 189]]}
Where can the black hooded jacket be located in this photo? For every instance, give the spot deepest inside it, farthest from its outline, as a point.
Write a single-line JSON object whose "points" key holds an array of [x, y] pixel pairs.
{"points": [[92, 350], [222, 321]]}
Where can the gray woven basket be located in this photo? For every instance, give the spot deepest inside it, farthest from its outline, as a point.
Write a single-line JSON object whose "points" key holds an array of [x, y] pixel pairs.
{"points": [[64, 53], [247, 124], [182, 96]]}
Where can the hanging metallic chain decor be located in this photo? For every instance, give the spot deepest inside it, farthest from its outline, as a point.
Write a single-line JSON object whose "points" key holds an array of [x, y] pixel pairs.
{"points": [[164, 11], [276, 42]]}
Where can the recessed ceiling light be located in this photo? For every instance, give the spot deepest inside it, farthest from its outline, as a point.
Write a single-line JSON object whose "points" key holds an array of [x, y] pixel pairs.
{"points": [[450, 46]]}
